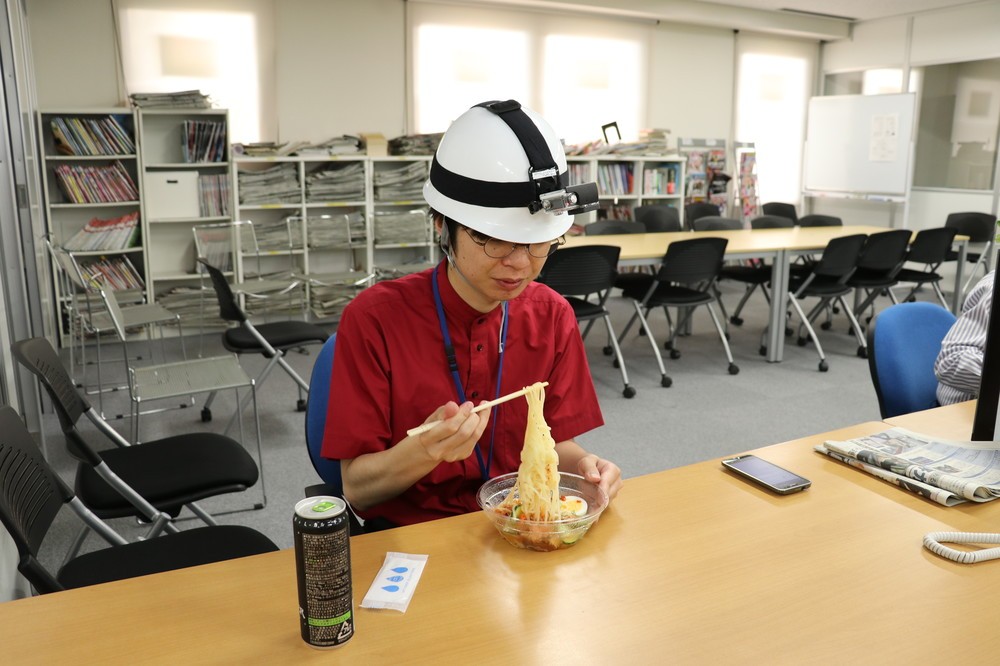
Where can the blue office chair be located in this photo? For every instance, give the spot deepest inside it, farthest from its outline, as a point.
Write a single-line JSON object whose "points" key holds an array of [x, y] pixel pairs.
{"points": [[316, 405], [903, 343]]}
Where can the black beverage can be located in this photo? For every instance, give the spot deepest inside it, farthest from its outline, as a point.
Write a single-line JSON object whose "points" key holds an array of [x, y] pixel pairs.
{"points": [[323, 570]]}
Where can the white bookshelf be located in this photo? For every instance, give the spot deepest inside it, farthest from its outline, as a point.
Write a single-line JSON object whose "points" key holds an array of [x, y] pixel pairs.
{"points": [[625, 182]]}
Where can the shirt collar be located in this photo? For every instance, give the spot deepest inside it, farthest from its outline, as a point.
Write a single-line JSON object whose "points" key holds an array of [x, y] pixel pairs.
{"points": [[455, 306]]}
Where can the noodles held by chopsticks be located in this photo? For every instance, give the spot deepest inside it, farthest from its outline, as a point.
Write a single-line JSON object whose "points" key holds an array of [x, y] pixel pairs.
{"points": [[537, 489]]}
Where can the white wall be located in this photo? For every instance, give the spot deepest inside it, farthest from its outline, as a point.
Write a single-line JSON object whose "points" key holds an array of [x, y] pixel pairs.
{"points": [[691, 75], [341, 68]]}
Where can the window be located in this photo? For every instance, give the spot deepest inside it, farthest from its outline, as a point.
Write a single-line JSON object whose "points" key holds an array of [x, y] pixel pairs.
{"points": [[772, 96], [217, 52], [958, 126], [579, 73]]}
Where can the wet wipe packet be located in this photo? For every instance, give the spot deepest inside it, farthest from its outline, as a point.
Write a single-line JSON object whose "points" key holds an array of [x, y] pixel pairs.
{"points": [[396, 581]]}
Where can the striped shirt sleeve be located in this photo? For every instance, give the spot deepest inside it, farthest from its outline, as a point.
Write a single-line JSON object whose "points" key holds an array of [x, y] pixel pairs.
{"points": [[959, 364]]}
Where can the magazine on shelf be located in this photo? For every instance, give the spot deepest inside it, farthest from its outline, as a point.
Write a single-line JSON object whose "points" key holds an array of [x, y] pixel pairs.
{"points": [[945, 471], [117, 233]]}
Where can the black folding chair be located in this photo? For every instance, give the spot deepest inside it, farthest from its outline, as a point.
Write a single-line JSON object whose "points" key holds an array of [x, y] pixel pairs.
{"points": [[878, 269], [697, 210], [781, 209], [602, 227], [754, 273], [658, 217], [930, 247], [580, 272], [685, 279], [981, 228], [152, 481], [827, 281], [271, 340], [32, 495]]}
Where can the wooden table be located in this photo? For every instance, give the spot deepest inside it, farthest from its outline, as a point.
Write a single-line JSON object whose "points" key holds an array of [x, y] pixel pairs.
{"points": [[689, 566], [780, 246]]}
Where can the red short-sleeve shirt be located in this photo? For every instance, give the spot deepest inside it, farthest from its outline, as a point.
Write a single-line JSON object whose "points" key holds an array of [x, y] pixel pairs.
{"points": [[390, 373]]}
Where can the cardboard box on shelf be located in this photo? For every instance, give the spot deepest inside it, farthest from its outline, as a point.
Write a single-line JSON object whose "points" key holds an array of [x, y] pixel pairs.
{"points": [[376, 144]]}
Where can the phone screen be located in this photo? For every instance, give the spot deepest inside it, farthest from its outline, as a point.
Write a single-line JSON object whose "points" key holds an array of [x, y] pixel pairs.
{"points": [[769, 474]]}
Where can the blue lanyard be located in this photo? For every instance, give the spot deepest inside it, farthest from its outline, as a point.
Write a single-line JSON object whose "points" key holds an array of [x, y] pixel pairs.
{"points": [[449, 350]]}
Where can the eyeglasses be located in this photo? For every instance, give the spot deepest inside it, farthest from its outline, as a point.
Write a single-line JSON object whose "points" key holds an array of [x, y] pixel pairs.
{"points": [[498, 249]]}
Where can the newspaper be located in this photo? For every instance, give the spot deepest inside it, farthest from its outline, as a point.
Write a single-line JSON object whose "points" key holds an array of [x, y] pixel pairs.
{"points": [[944, 471]]}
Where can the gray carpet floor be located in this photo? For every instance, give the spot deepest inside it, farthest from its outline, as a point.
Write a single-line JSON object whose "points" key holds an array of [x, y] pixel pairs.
{"points": [[706, 414]]}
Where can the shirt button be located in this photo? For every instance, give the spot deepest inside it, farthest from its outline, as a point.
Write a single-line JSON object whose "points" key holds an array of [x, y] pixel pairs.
{"points": [[475, 394], [479, 348]]}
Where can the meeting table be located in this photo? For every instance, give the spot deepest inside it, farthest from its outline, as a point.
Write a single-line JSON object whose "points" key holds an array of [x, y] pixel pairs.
{"points": [[688, 565]]}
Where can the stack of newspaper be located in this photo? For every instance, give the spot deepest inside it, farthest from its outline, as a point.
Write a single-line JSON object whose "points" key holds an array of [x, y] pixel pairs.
{"points": [[947, 472], [336, 182], [185, 99], [400, 183], [415, 144], [274, 185]]}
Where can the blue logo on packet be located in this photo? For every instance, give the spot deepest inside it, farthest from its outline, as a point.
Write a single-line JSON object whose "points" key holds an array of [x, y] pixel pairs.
{"points": [[395, 579], [400, 569], [391, 588]]}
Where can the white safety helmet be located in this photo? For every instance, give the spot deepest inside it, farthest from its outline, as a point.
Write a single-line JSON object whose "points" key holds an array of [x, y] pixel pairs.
{"points": [[501, 170]]}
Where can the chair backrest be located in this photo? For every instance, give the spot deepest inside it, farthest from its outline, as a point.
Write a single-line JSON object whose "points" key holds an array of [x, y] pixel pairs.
{"points": [[316, 406], [716, 223], [40, 358], [31, 495], [214, 242], [816, 220], [885, 251], [658, 217], [979, 227], [781, 209], [582, 270], [699, 209], [614, 227], [771, 222], [903, 343], [930, 246], [840, 256], [229, 307], [694, 261]]}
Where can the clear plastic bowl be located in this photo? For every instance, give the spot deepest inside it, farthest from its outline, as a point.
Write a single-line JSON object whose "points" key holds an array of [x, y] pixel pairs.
{"points": [[537, 535]]}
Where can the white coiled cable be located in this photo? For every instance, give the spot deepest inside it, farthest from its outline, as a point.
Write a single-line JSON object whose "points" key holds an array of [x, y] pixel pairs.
{"points": [[933, 542]]}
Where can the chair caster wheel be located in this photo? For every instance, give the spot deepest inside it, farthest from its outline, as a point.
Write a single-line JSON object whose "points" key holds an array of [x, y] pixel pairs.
{"points": [[629, 392], [736, 321], [666, 382], [802, 342], [206, 415], [674, 354], [727, 336], [823, 367], [762, 351], [642, 331], [826, 325], [616, 364], [608, 351], [668, 345], [734, 369], [862, 352], [788, 331], [300, 405]]}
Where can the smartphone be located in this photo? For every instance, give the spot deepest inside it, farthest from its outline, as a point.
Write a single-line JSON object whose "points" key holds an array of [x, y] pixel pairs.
{"points": [[766, 474]]}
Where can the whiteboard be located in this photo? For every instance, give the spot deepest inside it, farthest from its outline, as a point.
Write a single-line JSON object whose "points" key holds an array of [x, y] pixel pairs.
{"points": [[859, 144]]}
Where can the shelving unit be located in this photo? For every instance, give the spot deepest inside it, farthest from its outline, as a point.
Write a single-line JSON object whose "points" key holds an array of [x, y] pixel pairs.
{"points": [[91, 174], [626, 182], [338, 214], [185, 177]]}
